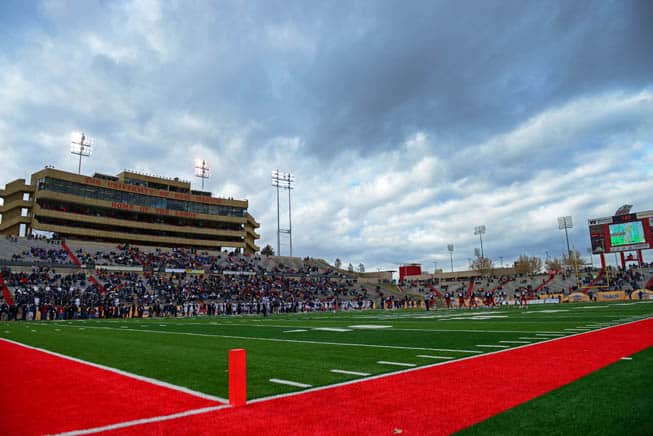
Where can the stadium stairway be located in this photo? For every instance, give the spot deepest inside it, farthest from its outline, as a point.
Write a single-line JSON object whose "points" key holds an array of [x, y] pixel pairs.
{"points": [[439, 294], [470, 288], [552, 275], [593, 282], [5, 292], [71, 255]]}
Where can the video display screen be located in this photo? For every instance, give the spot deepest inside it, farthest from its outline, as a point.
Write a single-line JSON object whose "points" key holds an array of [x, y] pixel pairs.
{"points": [[627, 233]]}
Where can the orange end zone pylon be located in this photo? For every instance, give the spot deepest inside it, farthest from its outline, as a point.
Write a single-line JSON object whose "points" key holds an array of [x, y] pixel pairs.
{"points": [[237, 377]]}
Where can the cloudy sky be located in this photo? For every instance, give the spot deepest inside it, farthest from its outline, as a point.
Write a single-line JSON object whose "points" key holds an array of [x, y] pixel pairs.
{"points": [[406, 124]]}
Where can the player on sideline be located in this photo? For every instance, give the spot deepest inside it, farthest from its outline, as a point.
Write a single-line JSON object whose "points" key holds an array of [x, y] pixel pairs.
{"points": [[427, 301], [522, 301], [461, 300], [447, 299], [472, 300]]}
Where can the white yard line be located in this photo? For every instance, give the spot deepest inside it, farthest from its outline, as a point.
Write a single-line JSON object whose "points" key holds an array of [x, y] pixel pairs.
{"points": [[124, 373], [342, 371], [550, 334], [532, 339], [142, 421], [385, 362], [292, 341], [493, 346], [515, 342], [426, 356], [289, 383], [331, 329], [295, 331], [626, 358]]}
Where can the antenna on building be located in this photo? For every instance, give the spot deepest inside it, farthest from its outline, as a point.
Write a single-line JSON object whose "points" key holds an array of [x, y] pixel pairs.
{"points": [[201, 170], [80, 144]]}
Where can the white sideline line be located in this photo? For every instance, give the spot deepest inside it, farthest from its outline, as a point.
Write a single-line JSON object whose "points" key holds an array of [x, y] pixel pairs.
{"points": [[533, 339], [124, 373], [426, 356], [550, 334], [493, 346], [626, 358], [331, 329], [342, 371], [385, 362], [142, 421], [289, 383], [295, 331], [295, 341], [515, 342]]}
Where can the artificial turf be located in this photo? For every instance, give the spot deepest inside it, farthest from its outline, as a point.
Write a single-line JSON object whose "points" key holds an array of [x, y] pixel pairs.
{"points": [[193, 352], [616, 400]]}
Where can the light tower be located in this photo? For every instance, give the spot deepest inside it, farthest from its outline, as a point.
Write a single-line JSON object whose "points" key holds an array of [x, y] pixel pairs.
{"points": [[565, 222], [480, 231], [80, 144], [202, 170], [450, 248], [282, 180]]}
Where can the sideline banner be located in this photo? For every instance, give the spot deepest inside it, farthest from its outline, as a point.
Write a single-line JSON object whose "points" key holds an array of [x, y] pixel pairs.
{"points": [[611, 296], [642, 294], [118, 268], [577, 297]]}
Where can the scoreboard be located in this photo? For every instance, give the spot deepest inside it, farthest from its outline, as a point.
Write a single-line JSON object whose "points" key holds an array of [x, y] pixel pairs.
{"points": [[629, 232]]}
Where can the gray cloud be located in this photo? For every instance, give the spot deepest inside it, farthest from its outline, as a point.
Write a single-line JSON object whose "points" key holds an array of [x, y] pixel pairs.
{"points": [[406, 123]]}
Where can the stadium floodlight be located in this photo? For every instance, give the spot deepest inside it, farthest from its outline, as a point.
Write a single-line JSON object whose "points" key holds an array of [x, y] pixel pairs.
{"points": [[202, 170], [480, 230], [565, 222], [450, 248], [80, 144], [284, 181]]}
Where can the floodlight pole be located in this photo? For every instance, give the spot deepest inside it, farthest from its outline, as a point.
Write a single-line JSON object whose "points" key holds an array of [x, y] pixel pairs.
{"points": [[84, 150], [202, 171], [450, 248], [283, 181], [565, 222], [275, 182], [290, 179], [479, 230]]}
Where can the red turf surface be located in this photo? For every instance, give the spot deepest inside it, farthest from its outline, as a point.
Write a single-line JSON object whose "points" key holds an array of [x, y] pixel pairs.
{"points": [[41, 393], [45, 394], [436, 400]]}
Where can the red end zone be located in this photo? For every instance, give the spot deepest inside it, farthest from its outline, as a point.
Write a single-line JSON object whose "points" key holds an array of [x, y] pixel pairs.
{"points": [[41, 393]]}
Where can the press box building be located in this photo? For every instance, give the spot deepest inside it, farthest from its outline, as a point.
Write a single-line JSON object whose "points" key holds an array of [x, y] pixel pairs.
{"points": [[126, 208]]}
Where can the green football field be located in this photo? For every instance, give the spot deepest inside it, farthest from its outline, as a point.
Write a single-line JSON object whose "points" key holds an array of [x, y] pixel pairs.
{"points": [[288, 353]]}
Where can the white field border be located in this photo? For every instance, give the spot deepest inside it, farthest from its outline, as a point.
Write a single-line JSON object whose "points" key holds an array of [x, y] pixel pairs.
{"points": [[143, 421], [124, 373]]}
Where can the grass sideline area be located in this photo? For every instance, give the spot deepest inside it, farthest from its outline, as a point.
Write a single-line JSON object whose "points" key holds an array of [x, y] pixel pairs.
{"points": [[615, 400], [306, 348]]}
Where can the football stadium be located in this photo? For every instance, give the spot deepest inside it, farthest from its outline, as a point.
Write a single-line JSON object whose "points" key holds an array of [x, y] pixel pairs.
{"points": [[295, 217], [102, 335]]}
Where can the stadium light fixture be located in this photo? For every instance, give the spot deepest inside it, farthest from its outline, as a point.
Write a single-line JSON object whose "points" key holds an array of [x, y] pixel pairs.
{"points": [[450, 249], [202, 170], [480, 231], [565, 222], [80, 145]]}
